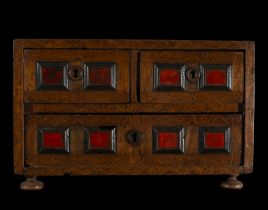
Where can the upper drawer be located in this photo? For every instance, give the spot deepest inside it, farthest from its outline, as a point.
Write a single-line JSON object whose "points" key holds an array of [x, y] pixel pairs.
{"points": [[192, 77], [76, 76]]}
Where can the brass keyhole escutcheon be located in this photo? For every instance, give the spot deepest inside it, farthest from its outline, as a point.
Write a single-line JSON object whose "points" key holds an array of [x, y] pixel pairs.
{"points": [[75, 72], [133, 137], [192, 74]]}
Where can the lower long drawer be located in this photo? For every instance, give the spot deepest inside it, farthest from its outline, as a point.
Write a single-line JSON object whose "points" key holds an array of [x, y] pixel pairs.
{"points": [[133, 140]]}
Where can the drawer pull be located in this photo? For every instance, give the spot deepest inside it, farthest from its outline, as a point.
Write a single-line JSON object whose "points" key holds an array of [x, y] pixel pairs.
{"points": [[133, 137]]}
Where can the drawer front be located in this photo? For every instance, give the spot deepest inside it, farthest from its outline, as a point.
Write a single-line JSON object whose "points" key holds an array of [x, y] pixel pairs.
{"points": [[192, 77], [191, 140], [133, 140], [72, 140], [76, 76]]}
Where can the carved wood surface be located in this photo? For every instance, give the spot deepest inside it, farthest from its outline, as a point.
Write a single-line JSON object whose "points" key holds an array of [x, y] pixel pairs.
{"points": [[77, 97], [249, 108], [132, 108], [148, 95], [132, 170], [18, 112], [192, 97], [120, 95], [127, 154], [131, 44], [139, 161]]}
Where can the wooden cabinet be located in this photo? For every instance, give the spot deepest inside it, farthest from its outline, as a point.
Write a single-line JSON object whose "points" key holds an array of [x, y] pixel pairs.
{"points": [[133, 107]]}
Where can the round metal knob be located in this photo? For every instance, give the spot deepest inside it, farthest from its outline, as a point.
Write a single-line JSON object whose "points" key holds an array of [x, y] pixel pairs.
{"points": [[133, 137], [75, 72], [192, 74]]}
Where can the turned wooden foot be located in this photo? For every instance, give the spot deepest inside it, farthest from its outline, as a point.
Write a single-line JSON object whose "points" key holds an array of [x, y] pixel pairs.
{"points": [[232, 183], [31, 184]]}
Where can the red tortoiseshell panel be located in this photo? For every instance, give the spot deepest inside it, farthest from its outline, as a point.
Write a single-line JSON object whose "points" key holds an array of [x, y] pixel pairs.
{"points": [[52, 76], [53, 140], [214, 140], [168, 140], [216, 77], [100, 75], [169, 77], [100, 140]]}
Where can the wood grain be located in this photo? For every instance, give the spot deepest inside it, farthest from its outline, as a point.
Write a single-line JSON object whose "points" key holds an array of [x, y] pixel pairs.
{"points": [[18, 109], [149, 95], [131, 44], [131, 170], [127, 154], [77, 94], [133, 108], [196, 108], [249, 108]]}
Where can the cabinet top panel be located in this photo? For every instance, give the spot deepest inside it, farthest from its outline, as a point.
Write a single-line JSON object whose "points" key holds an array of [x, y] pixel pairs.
{"points": [[132, 44]]}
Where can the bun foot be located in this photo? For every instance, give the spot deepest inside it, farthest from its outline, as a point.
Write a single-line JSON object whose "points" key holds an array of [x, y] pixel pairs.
{"points": [[232, 183], [32, 184]]}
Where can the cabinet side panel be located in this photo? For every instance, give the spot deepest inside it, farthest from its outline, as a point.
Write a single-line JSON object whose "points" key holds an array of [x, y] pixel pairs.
{"points": [[18, 120], [249, 107]]}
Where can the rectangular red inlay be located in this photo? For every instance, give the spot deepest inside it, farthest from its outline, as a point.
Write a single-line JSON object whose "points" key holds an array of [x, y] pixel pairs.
{"points": [[53, 140], [100, 75], [214, 140], [169, 77], [168, 140], [52, 75], [216, 77], [100, 140]]}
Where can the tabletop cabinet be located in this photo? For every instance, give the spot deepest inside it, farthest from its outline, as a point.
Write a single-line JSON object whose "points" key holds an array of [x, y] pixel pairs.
{"points": [[133, 107]]}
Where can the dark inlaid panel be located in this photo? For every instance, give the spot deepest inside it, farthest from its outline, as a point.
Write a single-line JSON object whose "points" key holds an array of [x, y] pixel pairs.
{"points": [[216, 77], [214, 139], [100, 76], [169, 77], [168, 139], [100, 139], [53, 140], [52, 76]]}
